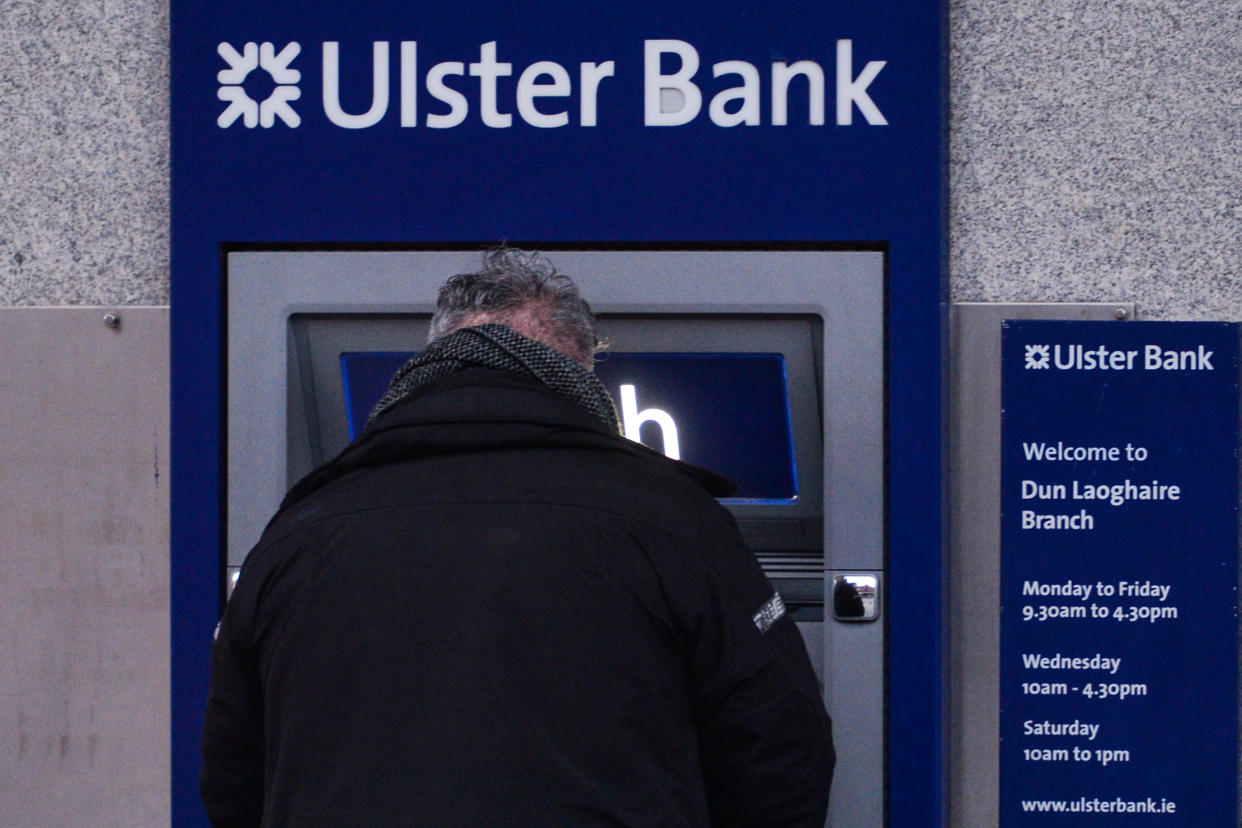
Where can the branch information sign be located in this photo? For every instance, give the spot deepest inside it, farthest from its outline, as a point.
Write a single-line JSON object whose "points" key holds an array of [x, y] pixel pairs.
{"points": [[1119, 629]]}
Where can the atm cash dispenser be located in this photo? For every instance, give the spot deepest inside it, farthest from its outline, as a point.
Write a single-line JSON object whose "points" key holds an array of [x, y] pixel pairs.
{"points": [[765, 365]]}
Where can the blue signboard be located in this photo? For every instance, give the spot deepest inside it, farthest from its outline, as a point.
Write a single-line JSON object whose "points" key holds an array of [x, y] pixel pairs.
{"points": [[1119, 576], [307, 125]]}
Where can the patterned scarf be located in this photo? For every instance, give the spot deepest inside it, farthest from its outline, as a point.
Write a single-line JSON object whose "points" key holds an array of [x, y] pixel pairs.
{"points": [[503, 349]]}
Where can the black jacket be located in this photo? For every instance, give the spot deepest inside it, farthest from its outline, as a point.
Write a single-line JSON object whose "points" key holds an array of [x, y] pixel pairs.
{"points": [[490, 611]]}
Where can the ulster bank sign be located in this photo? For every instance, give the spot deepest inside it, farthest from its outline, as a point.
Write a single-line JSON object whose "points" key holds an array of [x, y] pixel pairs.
{"points": [[261, 87]]}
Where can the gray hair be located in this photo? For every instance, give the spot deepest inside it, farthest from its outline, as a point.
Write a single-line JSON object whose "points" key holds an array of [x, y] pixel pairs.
{"points": [[522, 291]]}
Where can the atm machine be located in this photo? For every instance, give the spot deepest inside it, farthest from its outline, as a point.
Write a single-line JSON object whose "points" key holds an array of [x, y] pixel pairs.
{"points": [[764, 364]]}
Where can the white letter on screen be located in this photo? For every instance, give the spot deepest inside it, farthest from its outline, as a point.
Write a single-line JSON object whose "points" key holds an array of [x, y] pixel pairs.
{"points": [[632, 419]]}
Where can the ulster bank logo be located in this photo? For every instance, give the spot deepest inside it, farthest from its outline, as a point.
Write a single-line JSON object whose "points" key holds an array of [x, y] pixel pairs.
{"points": [[1036, 357], [1075, 357], [255, 60], [259, 86]]}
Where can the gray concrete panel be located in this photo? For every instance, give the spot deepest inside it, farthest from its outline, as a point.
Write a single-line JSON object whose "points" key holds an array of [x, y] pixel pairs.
{"points": [[84, 567]]}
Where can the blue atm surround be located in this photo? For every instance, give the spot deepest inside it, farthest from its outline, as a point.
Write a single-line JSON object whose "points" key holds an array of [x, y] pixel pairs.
{"points": [[740, 177]]}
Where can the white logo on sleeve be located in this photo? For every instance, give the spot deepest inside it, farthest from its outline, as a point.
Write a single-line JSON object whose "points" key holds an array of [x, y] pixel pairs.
{"points": [[769, 613]]}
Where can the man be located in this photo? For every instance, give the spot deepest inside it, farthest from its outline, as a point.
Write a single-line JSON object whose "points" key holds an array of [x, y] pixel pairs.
{"points": [[492, 609]]}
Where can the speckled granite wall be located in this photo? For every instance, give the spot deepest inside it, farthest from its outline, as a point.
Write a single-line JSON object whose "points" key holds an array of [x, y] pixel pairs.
{"points": [[84, 152], [1094, 153]]}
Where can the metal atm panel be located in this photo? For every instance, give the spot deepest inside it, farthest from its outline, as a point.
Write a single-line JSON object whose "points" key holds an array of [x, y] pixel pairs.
{"points": [[291, 313]]}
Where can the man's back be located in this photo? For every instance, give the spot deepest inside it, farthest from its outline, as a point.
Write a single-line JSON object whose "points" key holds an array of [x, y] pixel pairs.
{"points": [[491, 611]]}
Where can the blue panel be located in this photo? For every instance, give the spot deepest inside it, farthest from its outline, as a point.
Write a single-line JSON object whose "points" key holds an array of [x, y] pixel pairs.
{"points": [[1119, 628], [850, 180]]}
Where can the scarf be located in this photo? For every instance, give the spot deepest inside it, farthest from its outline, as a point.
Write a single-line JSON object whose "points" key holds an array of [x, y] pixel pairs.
{"points": [[502, 349]]}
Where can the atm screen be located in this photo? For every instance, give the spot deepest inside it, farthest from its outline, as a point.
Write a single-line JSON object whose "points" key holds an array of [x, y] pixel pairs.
{"points": [[728, 412], [366, 376]]}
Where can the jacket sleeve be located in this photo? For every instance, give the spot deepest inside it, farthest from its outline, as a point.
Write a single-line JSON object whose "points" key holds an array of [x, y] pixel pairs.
{"points": [[765, 737], [231, 779]]}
